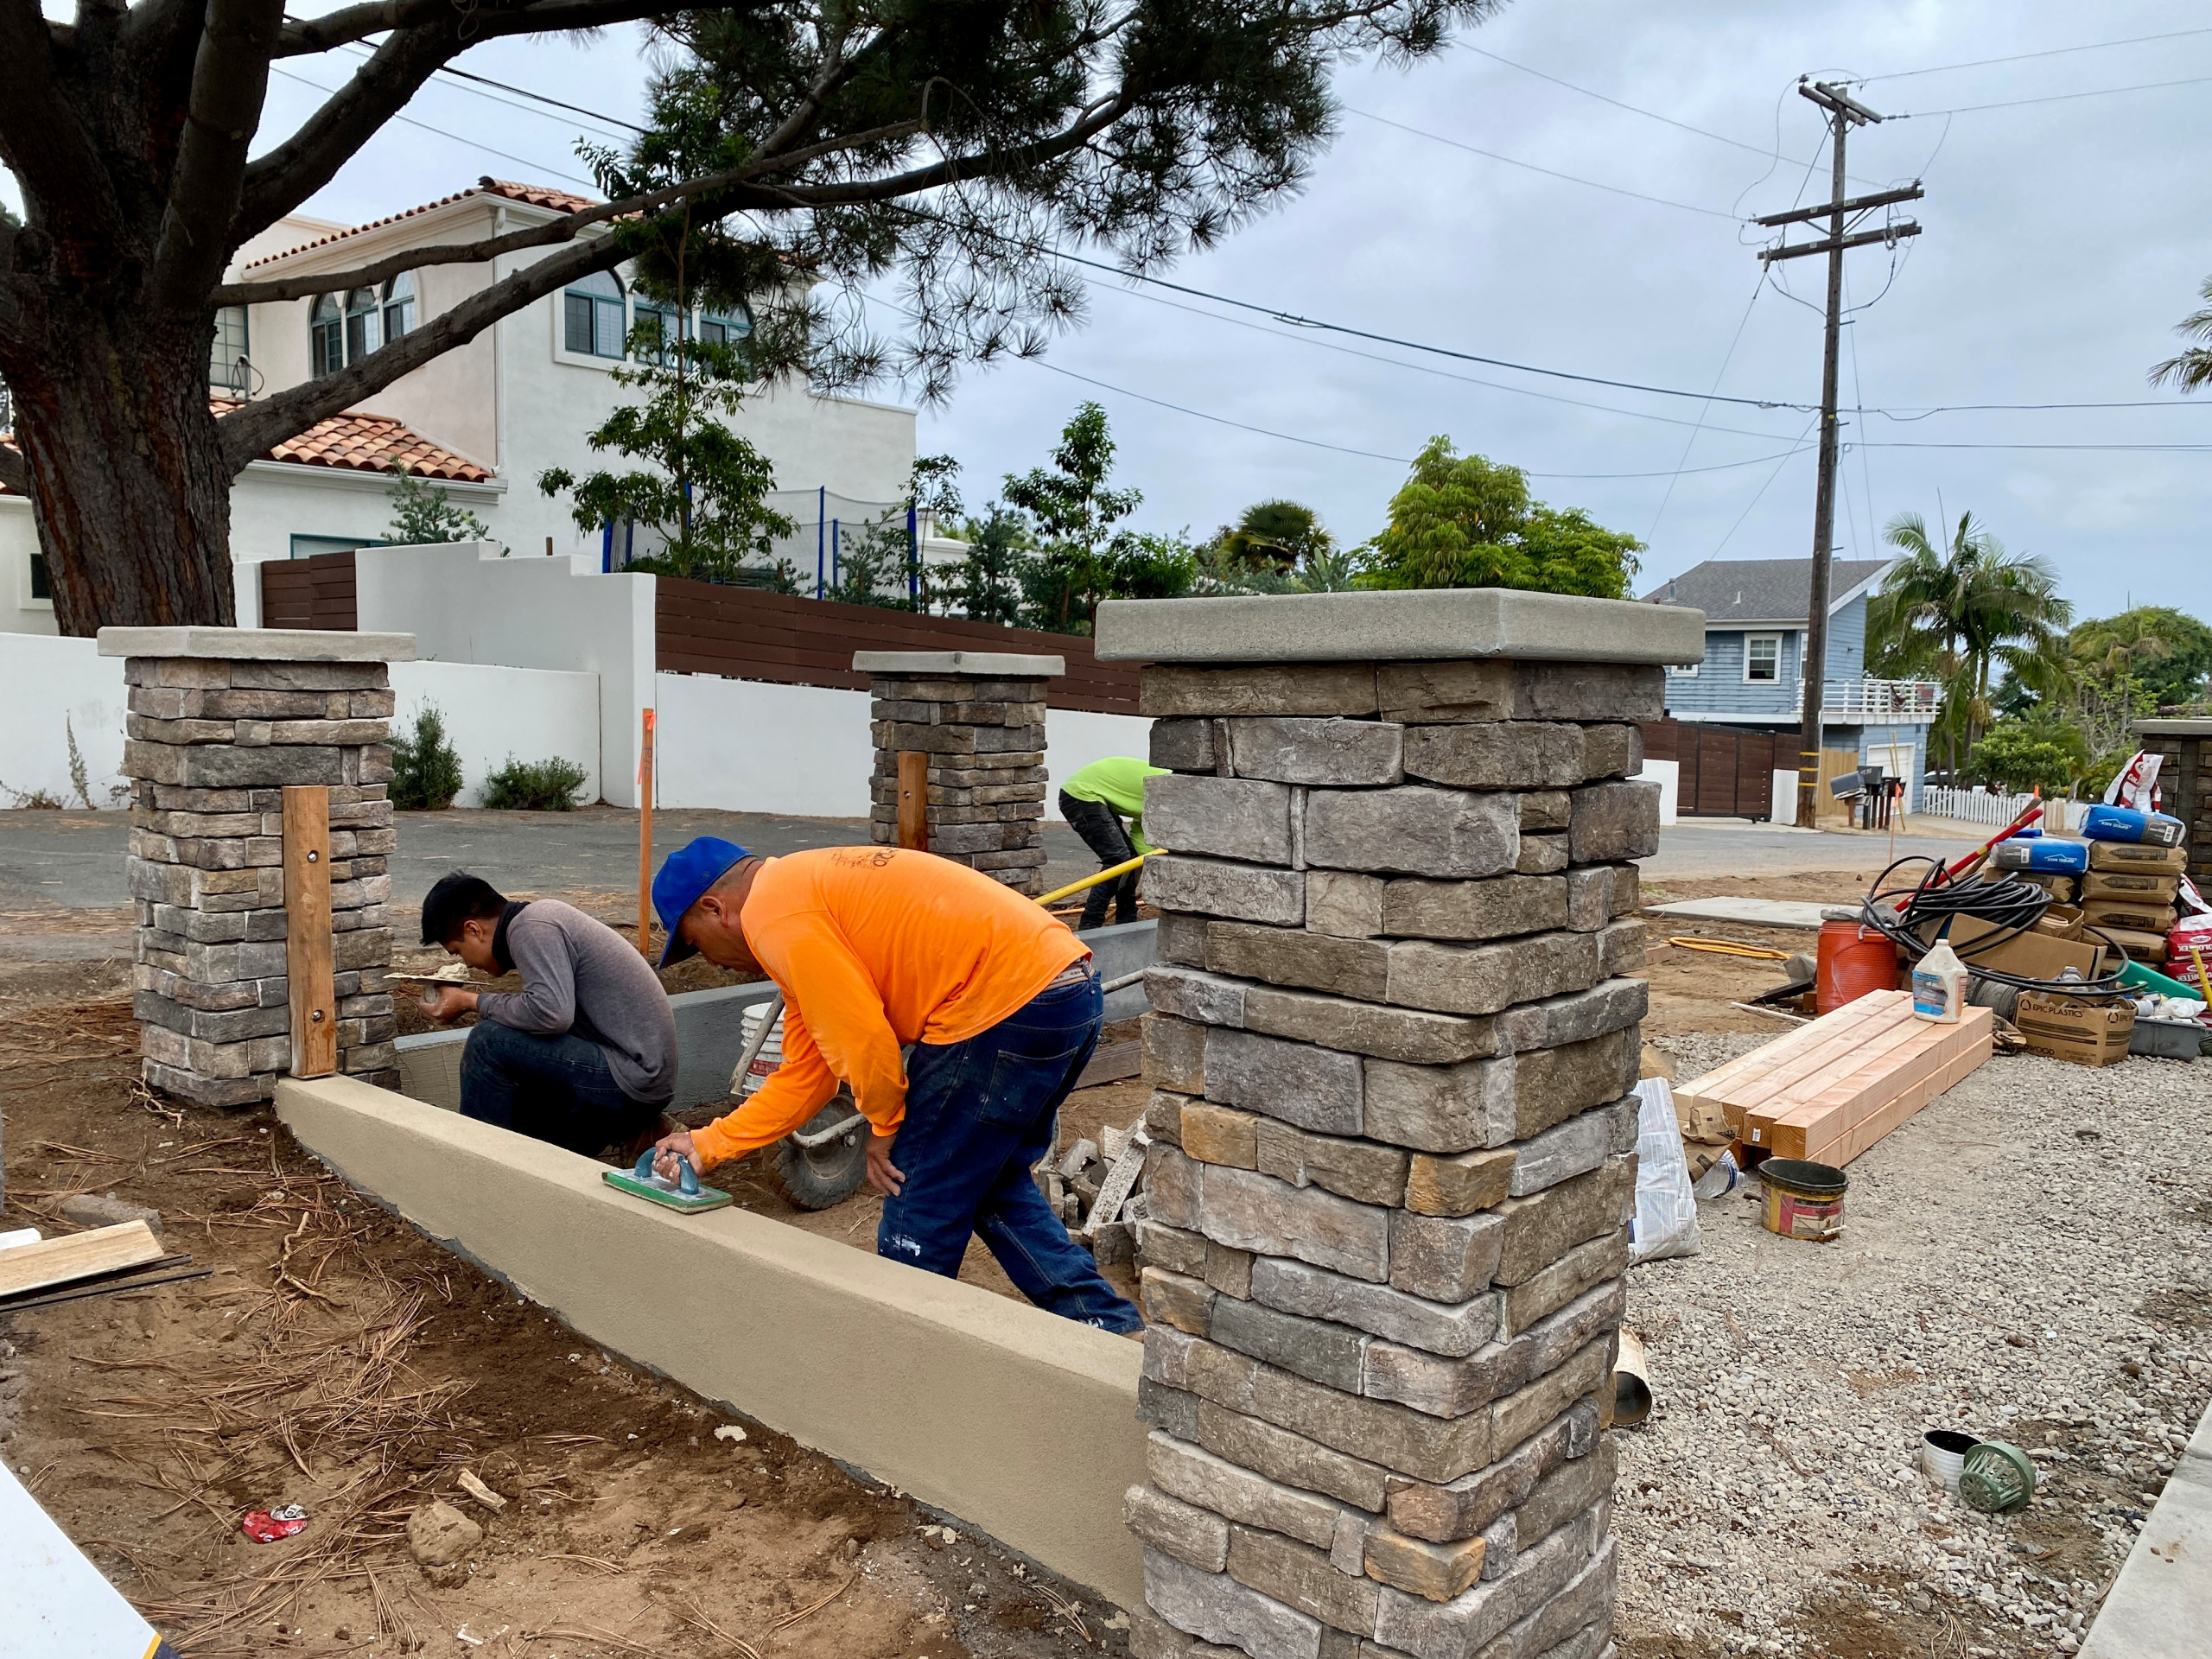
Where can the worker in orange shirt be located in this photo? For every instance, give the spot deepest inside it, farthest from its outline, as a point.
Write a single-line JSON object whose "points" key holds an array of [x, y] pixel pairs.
{"points": [[875, 947]]}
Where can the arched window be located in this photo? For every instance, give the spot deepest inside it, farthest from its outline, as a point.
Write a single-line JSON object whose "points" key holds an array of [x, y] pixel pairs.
{"points": [[364, 324], [726, 329], [591, 320], [399, 306], [326, 335]]}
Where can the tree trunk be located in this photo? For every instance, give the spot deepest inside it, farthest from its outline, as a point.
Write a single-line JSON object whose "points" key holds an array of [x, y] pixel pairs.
{"points": [[129, 487]]}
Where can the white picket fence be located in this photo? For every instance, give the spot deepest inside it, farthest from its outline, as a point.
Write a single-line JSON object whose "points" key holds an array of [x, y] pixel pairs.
{"points": [[1980, 806]]}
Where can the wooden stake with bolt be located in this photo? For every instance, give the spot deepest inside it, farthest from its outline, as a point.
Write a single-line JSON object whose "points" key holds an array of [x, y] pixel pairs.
{"points": [[914, 799], [646, 840], [311, 986]]}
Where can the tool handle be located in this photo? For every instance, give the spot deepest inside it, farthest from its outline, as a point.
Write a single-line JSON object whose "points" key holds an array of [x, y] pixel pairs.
{"points": [[687, 1180]]}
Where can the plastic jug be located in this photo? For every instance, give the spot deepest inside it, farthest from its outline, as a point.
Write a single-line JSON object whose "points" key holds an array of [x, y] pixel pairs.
{"points": [[1939, 984]]}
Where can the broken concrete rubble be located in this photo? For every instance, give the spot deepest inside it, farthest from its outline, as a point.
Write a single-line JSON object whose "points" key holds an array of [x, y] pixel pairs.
{"points": [[1389, 1190]]}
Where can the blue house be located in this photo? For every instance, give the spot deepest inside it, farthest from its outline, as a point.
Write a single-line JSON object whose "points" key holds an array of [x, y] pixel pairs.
{"points": [[1752, 676]]}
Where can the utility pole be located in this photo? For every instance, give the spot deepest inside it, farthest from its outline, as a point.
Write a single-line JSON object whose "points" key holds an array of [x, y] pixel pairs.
{"points": [[1844, 111]]}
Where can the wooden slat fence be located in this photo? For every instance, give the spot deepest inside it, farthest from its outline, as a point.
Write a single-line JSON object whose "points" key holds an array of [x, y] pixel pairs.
{"points": [[1724, 772], [310, 593]]}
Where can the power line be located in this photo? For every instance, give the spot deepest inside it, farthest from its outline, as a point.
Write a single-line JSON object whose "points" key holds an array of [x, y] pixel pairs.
{"points": [[2054, 98], [1697, 430], [1654, 115], [2023, 57], [1549, 172], [450, 137]]}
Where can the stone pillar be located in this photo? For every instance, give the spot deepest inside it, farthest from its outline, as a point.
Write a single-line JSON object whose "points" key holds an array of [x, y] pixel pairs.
{"points": [[220, 720], [2184, 748], [1393, 1046], [979, 716]]}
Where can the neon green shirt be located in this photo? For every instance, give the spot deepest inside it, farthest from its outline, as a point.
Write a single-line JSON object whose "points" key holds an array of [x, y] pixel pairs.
{"points": [[1117, 781]]}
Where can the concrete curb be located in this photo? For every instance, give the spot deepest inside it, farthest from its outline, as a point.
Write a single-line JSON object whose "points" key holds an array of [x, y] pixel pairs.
{"points": [[2160, 1607], [1020, 1424]]}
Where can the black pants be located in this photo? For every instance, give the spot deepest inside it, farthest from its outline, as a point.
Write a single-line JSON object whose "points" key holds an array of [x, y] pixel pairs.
{"points": [[1100, 826]]}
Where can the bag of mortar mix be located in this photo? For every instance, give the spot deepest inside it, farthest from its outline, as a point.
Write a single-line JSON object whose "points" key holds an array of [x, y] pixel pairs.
{"points": [[1665, 1208]]}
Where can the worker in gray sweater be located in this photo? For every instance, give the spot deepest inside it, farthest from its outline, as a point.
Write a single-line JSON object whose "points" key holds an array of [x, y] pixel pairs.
{"points": [[584, 1055]]}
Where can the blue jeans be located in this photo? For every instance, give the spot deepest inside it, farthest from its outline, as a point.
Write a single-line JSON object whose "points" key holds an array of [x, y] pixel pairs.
{"points": [[978, 1114], [556, 1088]]}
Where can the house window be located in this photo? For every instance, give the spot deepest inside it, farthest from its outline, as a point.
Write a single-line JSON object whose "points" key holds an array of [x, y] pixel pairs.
{"points": [[1761, 658], [41, 583], [591, 321], [718, 329], [657, 326], [364, 324], [399, 307], [226, 362], [326, 336]]}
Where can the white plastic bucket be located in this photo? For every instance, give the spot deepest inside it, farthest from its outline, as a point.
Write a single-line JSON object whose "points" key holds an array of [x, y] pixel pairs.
{"points": [[1943, 1456]]}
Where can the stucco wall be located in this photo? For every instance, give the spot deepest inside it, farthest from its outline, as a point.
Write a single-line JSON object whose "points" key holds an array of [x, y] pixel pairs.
{"points": [[51, 687], [492, 714], [19, 612]]}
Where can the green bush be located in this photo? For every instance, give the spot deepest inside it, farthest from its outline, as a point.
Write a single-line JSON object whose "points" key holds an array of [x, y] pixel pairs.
{"points": [[534, 785], [425, 769]]}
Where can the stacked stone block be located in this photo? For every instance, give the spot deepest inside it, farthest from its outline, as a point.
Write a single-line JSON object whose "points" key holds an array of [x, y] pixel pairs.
{"points": [[219, 722], [1393, 1050], [2184, 748], [980, 717]]}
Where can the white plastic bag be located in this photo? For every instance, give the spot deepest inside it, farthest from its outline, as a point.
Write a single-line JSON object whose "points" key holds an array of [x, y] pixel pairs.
{"points": [[1665, 1208], [2136, 784]]}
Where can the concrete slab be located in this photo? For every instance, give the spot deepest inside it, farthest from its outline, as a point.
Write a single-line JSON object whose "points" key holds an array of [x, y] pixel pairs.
{"points": [[2160, 1606], [1398, 626], [1021, 1425], [53, 1600], [259, 645], [984, 665], [1751, 912]]}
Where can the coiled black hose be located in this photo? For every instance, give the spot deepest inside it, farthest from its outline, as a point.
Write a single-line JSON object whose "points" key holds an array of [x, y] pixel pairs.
{"points": [[2010, 906]]}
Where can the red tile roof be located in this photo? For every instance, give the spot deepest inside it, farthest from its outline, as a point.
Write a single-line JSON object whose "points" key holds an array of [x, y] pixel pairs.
{"points": [[536, 195], [362, 443]]}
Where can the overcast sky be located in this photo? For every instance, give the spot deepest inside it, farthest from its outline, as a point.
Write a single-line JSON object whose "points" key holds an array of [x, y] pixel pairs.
{"points": [[2062, 241]]}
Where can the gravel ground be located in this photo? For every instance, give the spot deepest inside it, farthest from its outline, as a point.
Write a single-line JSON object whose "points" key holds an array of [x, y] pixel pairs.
{"points": [[2023, 1260]]}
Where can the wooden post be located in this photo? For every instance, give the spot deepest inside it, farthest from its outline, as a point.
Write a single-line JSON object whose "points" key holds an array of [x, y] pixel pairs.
{"points": [[914, 799], [308, 977], [645, 840]]}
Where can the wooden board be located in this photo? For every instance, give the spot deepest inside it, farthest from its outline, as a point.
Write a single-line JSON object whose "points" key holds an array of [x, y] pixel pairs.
{"points": [[58, 1260], [914, 799], [309, 980], [1838, 1084]]}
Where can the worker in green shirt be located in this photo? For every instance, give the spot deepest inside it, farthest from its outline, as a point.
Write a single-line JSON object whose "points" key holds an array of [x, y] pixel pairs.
{"points": [[1095, 801]]}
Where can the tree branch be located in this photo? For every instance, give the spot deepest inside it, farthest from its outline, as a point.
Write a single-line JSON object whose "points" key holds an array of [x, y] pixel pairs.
{"points": [[554, 233], [954, 168], [251, 430], [45, 146], [230, 77], [304, 38]]}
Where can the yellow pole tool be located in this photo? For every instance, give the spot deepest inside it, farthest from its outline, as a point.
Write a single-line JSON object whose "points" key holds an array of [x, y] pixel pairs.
{"points": [[1103, 875]]}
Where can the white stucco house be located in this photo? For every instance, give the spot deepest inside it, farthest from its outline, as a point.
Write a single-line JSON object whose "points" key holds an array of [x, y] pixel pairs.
{"points": [[482, 421]]}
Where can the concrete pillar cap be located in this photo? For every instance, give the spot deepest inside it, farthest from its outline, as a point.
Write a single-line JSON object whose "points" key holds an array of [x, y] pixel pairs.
{"points": [[259, 645], [980, 665]]}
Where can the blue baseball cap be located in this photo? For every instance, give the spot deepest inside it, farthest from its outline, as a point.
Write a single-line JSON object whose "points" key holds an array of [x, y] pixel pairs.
{"points": [[691, 870]]}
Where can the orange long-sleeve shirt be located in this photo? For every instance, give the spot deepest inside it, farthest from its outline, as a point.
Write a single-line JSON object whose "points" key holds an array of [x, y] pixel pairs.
{"points": [[875, 948]]}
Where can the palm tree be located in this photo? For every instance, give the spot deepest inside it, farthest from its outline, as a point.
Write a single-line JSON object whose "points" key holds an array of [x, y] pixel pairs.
{"points": [[1958, 612], [2190, 370]]}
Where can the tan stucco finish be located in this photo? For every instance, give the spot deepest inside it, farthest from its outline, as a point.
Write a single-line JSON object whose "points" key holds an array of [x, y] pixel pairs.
{"points": [[1019, 1423]]}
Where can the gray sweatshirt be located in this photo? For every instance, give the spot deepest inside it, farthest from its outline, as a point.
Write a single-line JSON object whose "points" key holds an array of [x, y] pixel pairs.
{"points": [[581, 976]]}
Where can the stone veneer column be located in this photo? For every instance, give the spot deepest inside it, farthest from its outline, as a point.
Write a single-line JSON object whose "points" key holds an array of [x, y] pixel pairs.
{"points": [[2184, 748], [220, 720], [980, 717], [1392, 1049]]}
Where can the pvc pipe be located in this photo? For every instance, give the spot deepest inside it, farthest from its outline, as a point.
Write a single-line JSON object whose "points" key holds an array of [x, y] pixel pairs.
{"points": [[1631, 1382]]}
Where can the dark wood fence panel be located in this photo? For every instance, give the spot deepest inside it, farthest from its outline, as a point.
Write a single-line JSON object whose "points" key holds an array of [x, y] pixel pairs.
{"points": [[743, 634], [1723, 772], [310, 593]]}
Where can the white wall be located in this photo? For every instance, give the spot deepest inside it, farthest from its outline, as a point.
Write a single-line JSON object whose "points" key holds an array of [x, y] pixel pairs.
{"points": [[464, 603], [1667, 774], [19, 612], [1073, 739], [746, 746], [52, 687], [494, 713], [1782, 806]]}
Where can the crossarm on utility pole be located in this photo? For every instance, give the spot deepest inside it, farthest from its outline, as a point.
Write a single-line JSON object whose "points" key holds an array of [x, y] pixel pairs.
{"points": [[1837, 244]]}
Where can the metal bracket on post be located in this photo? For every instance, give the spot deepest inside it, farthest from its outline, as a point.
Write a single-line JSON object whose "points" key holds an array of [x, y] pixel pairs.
{"points": [[914, 799], [310, 980]]}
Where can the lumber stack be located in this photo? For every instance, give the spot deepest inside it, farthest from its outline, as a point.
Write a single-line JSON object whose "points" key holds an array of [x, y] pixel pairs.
{"points": [[1830, 1089]]}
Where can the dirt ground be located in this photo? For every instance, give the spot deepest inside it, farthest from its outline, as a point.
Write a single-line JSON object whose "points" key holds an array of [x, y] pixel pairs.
{"points": [[334, 1359], [1692, 990]]}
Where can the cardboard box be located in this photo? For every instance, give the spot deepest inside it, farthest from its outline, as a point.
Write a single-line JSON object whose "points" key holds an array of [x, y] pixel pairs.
{"points": [[2031, 954], [2061, 922], [2074, 1028], [2131, 886], [2134, 856]]}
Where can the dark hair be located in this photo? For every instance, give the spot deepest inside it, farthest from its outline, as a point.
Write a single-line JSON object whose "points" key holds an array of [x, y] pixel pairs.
{"points": [[456, 899]]}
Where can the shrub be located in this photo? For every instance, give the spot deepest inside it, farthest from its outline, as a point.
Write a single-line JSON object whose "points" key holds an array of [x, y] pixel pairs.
{"points": [[425, 768], [534, 785]]}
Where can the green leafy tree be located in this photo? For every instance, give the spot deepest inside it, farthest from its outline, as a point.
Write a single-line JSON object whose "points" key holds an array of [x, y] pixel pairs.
{"points": [[704, 493], [1961, 612], [2190, 369], [422, 513], [425, 767], [1465, 521], [988, 583], [1075, 510], [1278, 534], [549, 785], [2168, 652], [2018, 755]]}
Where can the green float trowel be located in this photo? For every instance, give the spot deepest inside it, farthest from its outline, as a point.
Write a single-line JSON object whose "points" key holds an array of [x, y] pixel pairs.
{"points": [[683, 1193]]}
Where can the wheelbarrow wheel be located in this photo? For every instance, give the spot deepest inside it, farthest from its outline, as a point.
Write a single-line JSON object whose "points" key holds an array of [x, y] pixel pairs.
{"points": [[816, 1178]]}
